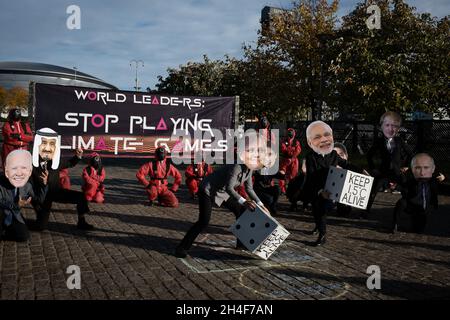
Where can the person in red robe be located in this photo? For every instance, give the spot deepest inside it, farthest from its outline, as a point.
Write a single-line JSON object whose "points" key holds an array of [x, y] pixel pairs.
{"points": [[16, 134], [94, 177], [64, 179], [195, 174], [157, 186], [290, 150]]}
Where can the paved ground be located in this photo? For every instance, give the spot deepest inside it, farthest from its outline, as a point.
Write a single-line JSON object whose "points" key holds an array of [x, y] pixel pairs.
{"points": [[129, 256]]}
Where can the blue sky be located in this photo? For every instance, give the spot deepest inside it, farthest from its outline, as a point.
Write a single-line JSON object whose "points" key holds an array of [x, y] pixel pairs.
{"points": [[162, 33]]}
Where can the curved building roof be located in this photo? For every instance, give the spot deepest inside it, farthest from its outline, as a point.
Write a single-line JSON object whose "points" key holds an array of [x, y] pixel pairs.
{"points": [[47, 73]]}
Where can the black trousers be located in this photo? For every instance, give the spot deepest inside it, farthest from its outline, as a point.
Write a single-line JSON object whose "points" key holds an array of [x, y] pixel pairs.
{"points": [[205, 208], [320, 208], [418, 215], [343, 210], [382, 181], [60, 196], [269, 196], [377, 184], [16, 231]]}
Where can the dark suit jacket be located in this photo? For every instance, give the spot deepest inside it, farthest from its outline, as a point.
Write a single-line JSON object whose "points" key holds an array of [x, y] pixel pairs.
{"points": [[53, 183], [221, 184], [8, 202], [317, 172], [383, 163], [412, 193]]}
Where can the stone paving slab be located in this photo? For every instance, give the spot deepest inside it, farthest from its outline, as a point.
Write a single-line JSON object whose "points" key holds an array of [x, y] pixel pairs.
{"points": [[130, 254]]}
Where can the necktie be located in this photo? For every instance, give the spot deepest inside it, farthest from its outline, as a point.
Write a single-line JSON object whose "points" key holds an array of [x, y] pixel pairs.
{"points": [[424, 195], [16, 195], [390, 144]]}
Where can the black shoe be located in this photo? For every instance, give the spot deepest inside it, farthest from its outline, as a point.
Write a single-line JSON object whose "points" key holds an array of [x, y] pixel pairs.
{"points": [[36, 226], [314, 232], [394, 229], [364, 215], [180, 252], [150, 203], [83, 225], [320, 241], [293, 207]]}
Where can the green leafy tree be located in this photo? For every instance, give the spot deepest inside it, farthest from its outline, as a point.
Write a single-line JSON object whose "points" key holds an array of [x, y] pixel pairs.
{"points": [[403, 66]]}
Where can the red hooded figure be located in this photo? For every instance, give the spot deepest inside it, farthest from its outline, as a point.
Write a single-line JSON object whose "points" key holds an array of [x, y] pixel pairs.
{"points": [[16, 134], [64, 179], [290, 150], [265, 129], [157, 186], [195, 174], [94, 176]]}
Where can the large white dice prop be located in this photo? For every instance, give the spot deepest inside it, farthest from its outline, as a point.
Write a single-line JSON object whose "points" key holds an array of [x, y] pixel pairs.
{"points": [[259, 232], [348, 187]]}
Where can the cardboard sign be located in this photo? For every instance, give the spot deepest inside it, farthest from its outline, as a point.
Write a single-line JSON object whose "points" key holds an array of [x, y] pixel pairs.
{"points": [[348, 187], [259, 232]]}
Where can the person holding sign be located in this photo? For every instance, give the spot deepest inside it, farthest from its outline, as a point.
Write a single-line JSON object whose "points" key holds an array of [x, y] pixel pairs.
{"points": [[389, 157], [419, 193], [15, 192], [320, 138], [93, 177], [46, 163], [344, 210], [219, 188], [195, 173], [157, 186]]}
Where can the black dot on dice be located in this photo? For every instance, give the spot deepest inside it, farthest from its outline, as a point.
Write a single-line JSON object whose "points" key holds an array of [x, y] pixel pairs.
{"points": [[337, 195], [252, 241], [267, 224], [252, 225], [331, 171], [342, 175], [238, 226], [333, 184]]}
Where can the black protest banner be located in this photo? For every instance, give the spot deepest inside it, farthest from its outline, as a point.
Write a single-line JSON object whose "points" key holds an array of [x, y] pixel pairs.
{"points": [[126, 123]]}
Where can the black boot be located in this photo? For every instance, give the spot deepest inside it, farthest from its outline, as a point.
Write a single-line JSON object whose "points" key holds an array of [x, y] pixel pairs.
{"points": [[293, 207], [83, 225], [37, 225], [320, 240], [394, 228], [180, 252]]}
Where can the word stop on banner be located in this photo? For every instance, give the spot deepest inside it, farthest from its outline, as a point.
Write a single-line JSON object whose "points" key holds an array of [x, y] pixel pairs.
{"points": [[348, 187], [259, 232]]}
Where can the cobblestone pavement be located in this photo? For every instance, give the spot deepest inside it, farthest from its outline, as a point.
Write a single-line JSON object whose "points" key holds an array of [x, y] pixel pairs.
{"points": [[130, 254]]}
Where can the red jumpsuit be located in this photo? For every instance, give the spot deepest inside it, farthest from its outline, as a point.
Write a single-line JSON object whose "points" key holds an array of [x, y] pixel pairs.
{"points": [[93, 187], [157, 185], [15, 137], [195, 174], [290, 150], [64, 179]]}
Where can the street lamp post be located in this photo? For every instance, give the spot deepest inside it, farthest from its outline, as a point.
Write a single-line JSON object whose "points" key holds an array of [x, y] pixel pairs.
{"points": [[136, 62]]}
